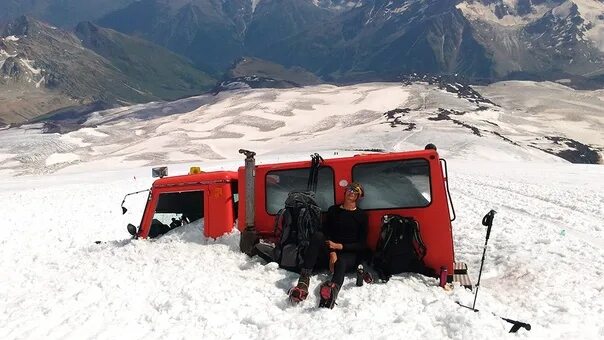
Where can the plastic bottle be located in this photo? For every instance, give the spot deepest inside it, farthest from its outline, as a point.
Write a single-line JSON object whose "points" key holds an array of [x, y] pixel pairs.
{"points": [[360, 271], [443, 276]]}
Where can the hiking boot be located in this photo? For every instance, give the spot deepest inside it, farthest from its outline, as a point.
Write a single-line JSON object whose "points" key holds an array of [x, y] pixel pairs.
{"points": [[300, 291], [328, 293]]}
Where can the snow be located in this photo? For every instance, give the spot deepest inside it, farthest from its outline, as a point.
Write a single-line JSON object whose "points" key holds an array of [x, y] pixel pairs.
{"points": [[563, 11], [593, 12], [543, 265], [11, 38], [206, 127], [57, 158], [28, 64], [553, 107], [40, 82], [254, 4], [478, 11], [5, 55]]}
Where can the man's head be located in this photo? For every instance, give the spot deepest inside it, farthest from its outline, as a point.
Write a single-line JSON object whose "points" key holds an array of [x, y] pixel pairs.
{"points": [[354, 191]]}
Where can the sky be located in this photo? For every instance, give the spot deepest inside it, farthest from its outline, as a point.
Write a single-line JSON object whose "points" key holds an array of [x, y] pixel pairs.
{"points": [[543, 263]]}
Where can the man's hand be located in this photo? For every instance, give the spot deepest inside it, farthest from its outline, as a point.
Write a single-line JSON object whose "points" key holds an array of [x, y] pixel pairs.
{"points": [[333, 257], [333, 245]]}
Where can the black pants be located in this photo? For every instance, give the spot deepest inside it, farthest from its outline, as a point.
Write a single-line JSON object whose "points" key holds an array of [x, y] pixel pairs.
{"points": [[317, 257]]}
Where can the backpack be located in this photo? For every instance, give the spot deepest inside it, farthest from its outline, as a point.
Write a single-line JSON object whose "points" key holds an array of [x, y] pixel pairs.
{"points": [[295, 224], [400, 248]]}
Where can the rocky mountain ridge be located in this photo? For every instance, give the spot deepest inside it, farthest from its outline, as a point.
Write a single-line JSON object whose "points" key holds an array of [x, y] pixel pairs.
{"points": [[347, 41], [44, 68]]}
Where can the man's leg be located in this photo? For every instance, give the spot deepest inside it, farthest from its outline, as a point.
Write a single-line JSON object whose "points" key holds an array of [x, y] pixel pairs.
{"points": [[329, 290], [346, 262], [316, 250]]}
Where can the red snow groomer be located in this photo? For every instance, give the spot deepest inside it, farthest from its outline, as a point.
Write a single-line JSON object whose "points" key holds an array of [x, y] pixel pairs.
{"points": [[411, 184]]}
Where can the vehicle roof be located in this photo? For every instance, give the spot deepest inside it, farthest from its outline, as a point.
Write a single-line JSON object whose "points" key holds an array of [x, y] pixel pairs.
{"points": [[200, 178], [364, 157]]}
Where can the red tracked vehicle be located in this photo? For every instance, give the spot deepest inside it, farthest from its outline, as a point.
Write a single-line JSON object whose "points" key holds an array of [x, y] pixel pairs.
{"points": [[410, 184]]}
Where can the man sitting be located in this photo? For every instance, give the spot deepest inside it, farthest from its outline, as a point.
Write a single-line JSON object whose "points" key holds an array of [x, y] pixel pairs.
{"points": [[340, 246]]}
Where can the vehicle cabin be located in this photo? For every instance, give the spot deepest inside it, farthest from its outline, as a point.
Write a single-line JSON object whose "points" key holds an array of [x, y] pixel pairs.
{"points": [[406, 183], [176, 200]]}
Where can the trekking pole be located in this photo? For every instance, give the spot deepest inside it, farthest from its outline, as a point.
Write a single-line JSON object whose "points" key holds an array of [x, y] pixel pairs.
{"points": [[487, 221]]}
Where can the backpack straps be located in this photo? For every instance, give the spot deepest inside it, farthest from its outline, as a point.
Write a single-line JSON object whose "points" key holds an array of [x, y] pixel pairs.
{"points": [[387, 230], [278, 227], [421, 247]]}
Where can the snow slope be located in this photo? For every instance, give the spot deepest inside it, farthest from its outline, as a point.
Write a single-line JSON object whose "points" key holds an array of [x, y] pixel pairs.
{"points": [[274, 121], [544, 265], [544, 261]]}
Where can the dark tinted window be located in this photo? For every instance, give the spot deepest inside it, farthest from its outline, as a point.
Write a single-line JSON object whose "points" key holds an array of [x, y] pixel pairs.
{"points": [[395, 184], [280, 183], [177, 204]]}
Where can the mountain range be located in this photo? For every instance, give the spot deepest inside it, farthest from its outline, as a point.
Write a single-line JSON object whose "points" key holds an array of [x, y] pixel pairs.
{"points": [[44, 68], [335, 41], [360, 40]]}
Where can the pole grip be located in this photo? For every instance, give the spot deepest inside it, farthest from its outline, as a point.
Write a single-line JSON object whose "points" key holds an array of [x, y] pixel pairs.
{"points": [[487, 221]]}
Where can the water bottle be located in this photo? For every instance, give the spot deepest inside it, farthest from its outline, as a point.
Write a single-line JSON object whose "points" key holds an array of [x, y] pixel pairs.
{"points": [[360, 272], [443, 276]]}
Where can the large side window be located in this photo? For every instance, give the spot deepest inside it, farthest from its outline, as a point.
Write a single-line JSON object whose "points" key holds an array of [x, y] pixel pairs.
{"points": [[394, 184], [280, 182], [175, 209]]}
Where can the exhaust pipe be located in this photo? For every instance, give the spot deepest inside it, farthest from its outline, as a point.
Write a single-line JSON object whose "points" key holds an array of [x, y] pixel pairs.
{"points": [[249, 236]]}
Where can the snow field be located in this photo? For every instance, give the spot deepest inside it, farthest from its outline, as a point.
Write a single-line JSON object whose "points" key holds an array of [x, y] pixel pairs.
{"points": [[543, 266]]}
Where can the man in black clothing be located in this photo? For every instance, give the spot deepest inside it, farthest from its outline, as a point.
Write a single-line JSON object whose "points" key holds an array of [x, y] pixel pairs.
{"points": [[341, 245]]}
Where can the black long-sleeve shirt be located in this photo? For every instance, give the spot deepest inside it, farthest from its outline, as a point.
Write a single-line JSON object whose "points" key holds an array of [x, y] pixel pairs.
{"points": [[346, 227]]}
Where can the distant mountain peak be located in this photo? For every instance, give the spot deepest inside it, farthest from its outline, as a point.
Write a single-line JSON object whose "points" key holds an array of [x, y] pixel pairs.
{"points": [[19, 27]]}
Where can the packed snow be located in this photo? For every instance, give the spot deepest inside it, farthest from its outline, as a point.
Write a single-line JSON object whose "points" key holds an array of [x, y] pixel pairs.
{"points": [[543, 263], [206, 127]]}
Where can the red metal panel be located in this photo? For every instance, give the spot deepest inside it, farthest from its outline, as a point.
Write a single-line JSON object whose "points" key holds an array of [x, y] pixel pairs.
{"points": [[241, 191], [434, 219], [219, 217]]}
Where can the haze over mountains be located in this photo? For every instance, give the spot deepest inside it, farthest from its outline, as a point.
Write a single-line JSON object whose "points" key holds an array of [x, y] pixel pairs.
{"points": [[337, 41]]}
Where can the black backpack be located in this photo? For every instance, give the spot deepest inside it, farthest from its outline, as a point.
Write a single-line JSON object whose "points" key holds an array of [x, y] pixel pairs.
{"points": [[295, 224], [400, 248]]}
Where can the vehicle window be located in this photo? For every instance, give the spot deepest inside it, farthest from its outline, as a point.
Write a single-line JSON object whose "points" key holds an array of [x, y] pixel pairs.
{"points": [[176, 209], [394, 184], [280, 182]]}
